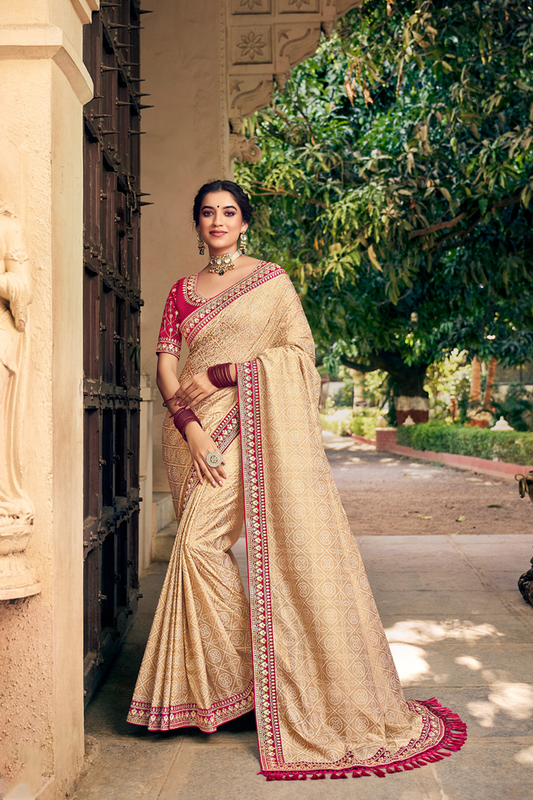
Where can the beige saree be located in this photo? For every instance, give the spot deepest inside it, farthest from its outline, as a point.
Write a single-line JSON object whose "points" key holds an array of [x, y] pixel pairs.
{"points": [[308, 651]]}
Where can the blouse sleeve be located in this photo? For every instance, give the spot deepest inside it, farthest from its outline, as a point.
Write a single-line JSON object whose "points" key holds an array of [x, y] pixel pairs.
{"points": [[169, 334]]}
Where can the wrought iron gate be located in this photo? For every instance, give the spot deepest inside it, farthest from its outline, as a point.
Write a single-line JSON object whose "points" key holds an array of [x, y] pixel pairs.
{"points": [[111, 332]]}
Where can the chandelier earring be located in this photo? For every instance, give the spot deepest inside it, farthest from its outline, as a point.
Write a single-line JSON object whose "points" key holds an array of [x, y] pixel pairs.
{"points": [[243, 243], [201, 244]]}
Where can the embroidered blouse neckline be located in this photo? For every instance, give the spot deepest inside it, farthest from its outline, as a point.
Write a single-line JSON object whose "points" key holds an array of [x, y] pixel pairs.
{"points": [[194, 298]]}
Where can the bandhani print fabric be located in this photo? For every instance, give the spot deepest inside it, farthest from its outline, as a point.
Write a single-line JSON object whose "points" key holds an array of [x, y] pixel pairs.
{"points": [[308, 651]]}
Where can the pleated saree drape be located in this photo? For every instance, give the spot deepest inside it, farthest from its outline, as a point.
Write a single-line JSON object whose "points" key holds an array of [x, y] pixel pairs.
{"points": [[308, 651]]}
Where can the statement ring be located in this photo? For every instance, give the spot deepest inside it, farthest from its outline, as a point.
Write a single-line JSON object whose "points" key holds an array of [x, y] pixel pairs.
{"points": [[214, 459]]}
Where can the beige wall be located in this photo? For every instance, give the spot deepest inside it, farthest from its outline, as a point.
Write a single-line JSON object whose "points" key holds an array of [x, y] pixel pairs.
{"points": [[44, 85], [185, 145]]}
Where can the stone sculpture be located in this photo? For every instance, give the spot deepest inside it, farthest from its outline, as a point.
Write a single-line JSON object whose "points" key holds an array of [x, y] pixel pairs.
{"points": [[16, 509]]}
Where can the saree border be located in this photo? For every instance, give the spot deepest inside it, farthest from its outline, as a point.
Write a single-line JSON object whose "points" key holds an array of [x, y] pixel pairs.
{"points": [[197, 320], [224, 434], [167, 718], [262, 635], [442, 730]]}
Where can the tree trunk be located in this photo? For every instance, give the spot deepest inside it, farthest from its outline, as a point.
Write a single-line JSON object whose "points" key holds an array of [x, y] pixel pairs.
{"points": [[475, 386], [410, 397], [487, 399]]}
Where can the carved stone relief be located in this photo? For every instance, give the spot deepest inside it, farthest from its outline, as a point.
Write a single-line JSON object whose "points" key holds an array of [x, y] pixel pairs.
{"points": [[251, 44], [251, 7], [265, 39], [243, 149], [247, 93], [292, 6], [16, 509]]}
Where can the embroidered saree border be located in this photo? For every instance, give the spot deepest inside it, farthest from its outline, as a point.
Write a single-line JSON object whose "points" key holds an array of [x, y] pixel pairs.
{"points": [[197, 320], [188, 714], [268, 734], [442, 730], [224, 434]]}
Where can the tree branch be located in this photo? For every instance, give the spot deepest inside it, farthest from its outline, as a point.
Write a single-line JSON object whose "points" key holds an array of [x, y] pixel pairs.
{"points": [[509, 201], [266, 192], [348, 362], [439, 226]]}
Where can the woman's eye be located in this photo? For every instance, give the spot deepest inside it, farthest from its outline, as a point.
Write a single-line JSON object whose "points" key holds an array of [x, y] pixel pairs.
{"points": [[230, 213]]}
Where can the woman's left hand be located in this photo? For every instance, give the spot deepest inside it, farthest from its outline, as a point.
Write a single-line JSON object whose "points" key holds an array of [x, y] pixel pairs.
{"points": [[194, 391]]}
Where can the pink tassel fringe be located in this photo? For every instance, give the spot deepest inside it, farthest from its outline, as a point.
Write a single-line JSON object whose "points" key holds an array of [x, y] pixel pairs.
{"points": [[453, 739]]}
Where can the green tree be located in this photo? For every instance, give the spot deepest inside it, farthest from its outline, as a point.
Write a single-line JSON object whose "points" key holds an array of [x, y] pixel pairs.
{"points": [[396, 181]]}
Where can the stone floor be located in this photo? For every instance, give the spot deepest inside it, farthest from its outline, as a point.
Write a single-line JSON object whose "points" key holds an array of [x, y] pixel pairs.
{"points": [[459, 630]]}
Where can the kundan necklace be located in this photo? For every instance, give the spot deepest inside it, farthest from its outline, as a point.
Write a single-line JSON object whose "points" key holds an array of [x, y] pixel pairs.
{"points": [[221, 264]]}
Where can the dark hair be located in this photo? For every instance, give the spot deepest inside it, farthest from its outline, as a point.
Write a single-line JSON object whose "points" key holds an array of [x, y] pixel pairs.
{"points": [[241, 198]]}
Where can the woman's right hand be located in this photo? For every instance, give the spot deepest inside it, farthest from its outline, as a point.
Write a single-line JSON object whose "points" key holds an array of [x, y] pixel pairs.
{"points": [[200, 444]]}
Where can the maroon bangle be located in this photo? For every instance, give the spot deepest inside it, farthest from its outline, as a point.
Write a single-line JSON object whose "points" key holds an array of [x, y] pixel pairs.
{"points": [[182, 417], [220, 376], [169, 400]]}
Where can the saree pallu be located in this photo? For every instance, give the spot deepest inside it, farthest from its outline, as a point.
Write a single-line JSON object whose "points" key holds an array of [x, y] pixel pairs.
{"points": [[309, 651]]}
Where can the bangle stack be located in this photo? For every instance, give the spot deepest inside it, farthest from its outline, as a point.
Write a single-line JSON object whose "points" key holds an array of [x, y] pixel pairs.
{"points": [[220, 376], [182, 417]]}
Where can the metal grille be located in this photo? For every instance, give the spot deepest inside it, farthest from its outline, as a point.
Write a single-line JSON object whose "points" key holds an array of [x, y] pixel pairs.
{"points": [[112, 200]]}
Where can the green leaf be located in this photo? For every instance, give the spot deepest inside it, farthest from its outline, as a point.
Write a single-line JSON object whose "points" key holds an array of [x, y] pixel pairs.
{"points": [[373, 258]]}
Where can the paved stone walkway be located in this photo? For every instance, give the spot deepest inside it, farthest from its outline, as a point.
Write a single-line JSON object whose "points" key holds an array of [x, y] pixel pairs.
{"points": [[458, 628]]}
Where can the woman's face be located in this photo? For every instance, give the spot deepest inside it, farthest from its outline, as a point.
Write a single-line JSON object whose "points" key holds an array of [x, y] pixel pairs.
{"points": [[220, 222]]}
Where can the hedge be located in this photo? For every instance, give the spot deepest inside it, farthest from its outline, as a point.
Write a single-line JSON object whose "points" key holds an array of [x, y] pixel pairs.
{"points": [[363, 424], [512, 447]]}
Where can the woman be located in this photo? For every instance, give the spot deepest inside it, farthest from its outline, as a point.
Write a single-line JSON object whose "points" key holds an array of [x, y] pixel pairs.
{"points": [[242, 440]]}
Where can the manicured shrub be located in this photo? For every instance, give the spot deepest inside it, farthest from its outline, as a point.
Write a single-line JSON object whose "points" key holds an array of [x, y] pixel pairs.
{"points": [[362, 423], [511, 446]]}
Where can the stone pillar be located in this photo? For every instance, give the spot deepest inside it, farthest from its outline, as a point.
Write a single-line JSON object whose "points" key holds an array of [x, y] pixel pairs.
{"points": [[44, 86]]}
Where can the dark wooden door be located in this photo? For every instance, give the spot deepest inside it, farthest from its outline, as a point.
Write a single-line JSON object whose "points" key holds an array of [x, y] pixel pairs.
{"points": [[111, 311]]}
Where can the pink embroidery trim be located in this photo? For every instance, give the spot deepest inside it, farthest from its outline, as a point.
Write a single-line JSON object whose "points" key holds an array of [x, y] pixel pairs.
{"points": [[168, 718], [454, 735], [268, 730], [442, 730], [197, 320]]}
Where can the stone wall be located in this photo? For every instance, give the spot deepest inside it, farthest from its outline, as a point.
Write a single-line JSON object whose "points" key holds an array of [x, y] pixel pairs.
{"points": [[44, 85]]}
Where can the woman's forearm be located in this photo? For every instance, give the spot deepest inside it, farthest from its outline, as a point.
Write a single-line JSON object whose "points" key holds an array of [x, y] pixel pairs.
{"points": [[167, 380]]}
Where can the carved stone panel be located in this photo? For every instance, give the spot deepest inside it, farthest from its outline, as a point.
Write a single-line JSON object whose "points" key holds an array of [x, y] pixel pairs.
{"points": [[266, 38], [251, 6], [251, 44], [294, 43], [299, 6], [248, 93]]}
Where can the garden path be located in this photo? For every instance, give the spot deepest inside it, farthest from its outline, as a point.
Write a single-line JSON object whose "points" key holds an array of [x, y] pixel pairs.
{"points": [[457, 625]]}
